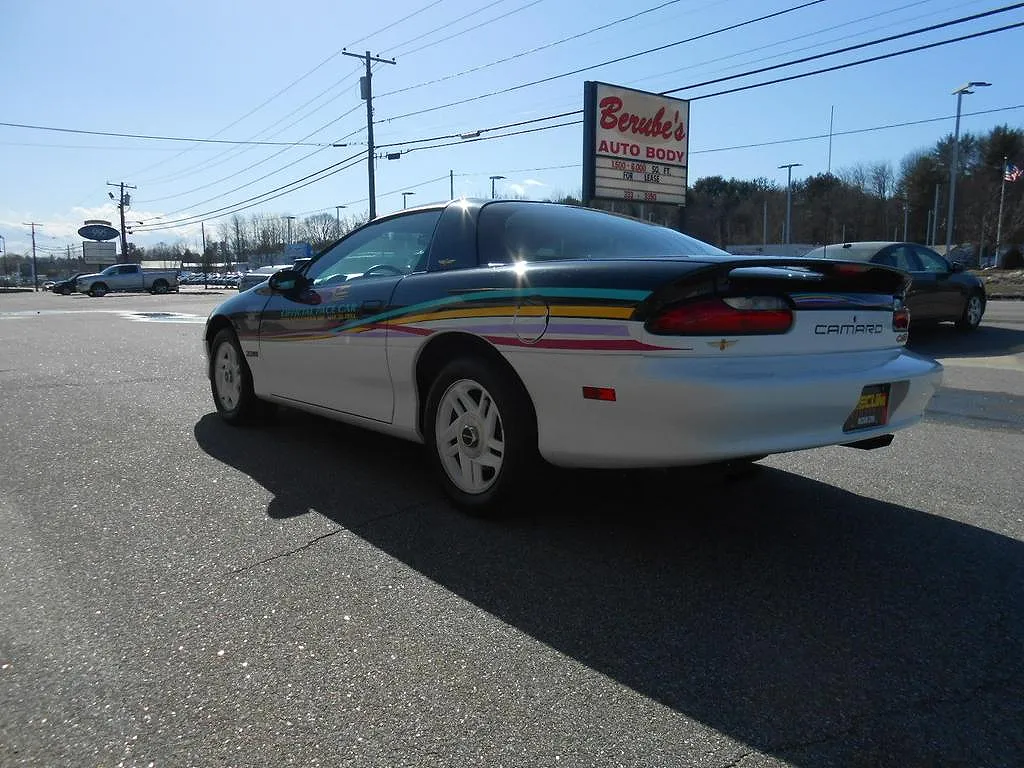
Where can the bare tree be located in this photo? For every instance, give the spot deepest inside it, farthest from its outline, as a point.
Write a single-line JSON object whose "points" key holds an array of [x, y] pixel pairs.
{"points": [[318, 230]]}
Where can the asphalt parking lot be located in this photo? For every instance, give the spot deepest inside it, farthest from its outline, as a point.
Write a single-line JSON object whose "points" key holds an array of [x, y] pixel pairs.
{"points": [[174, 592]]}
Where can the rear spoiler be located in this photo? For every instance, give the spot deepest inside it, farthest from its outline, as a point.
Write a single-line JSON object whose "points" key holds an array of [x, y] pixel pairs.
{"points": [[806, 283]]}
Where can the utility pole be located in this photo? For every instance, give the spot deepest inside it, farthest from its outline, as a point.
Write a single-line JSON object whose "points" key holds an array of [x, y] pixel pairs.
{"points": [[935, 217], [290, 219], [206, 260], [451, 185], [35, 273], [366, 86], [123, 202], [906, 219]]}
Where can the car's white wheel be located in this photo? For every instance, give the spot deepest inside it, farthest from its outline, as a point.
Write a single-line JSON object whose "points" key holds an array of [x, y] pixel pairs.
{"points": [[481, 433], [470, 436], [231, 381], [973, 311]]}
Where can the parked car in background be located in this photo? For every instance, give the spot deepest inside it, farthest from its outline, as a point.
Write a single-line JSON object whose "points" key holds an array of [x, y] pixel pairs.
{"points": [[66, 287], [257, 276], [129, 278], [940, 290], [503, 332]]}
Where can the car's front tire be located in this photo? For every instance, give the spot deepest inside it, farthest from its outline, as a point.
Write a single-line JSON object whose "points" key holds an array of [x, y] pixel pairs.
{"points": [[974, 308], [481, 434], [231, 381]]}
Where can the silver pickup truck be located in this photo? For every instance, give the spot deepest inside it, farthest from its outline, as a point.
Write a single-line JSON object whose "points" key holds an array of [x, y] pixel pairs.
{"points": [[128, 278]]}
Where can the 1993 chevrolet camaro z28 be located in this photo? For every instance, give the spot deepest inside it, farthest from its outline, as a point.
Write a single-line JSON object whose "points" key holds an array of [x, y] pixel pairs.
{"points": [[502, 333]]}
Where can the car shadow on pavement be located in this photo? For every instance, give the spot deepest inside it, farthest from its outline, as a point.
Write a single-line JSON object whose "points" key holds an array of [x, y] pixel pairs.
{"points": [[948, 341], [806, 621]]}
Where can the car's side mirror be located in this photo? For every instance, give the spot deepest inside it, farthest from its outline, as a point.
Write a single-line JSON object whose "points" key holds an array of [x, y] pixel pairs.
{"points": [[957, 266], [286, 281]]}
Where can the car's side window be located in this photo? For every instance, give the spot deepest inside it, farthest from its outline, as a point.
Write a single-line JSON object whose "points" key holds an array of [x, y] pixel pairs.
{"points": [[397, 246], [901, 257], [932, 262]]}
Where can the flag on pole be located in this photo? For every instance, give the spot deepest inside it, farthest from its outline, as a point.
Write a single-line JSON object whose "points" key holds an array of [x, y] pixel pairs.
{"points": [[1012, 172]]}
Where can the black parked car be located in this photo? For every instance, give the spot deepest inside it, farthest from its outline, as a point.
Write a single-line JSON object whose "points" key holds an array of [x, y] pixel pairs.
{"points": [[940, 291], [66, 287]]}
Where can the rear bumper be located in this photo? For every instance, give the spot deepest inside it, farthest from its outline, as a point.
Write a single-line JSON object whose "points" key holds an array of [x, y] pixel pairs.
{"points": [[673, 411]]}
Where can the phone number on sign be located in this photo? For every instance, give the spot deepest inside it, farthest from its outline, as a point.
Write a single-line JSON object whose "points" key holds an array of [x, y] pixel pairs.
{"points": [[648, 168], [650, 197]]}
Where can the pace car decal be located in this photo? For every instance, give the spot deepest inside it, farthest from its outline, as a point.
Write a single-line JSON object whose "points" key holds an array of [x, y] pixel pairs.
{"points": [[574, 318]]}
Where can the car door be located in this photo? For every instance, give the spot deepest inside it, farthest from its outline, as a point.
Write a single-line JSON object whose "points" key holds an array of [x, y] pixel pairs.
{"points": [[920, 300], [947, 294], [320, 345]]}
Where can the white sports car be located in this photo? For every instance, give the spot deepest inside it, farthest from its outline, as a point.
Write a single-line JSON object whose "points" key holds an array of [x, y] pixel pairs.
{"points": [[500, 333]]}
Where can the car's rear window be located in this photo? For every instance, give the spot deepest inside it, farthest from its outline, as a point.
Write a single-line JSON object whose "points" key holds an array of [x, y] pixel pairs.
{"points": [[843, 253], [532, 232]]}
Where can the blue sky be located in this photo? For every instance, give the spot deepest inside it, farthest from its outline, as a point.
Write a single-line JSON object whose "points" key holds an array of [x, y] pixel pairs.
{"points": [[225, 70]]}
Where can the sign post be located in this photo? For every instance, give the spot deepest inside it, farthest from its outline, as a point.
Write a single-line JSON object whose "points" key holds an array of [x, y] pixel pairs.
{"points": [[636, 146]]}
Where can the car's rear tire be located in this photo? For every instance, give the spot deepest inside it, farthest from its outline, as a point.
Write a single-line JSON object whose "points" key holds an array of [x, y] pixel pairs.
{"points": [[974, 308], [160, 287], [481, 435], [231, 382], [97, 290]]}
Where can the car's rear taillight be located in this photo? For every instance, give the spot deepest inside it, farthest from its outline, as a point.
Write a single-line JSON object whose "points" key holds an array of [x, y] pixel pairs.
{"points": [[719, 316], [901, 319]]}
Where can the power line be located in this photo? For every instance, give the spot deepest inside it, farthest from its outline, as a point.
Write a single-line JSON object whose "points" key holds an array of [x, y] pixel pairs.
{"points": [[254, 181], [473, 28], [755, 85], [300, 79], [396, 49], [854, 131], [790, 39], [156, 138], [858, 46], [617, 60], [227, 154], [539, 48], [859, 61], [474, 133], [321, 148], [348, 162], [745, 74]]}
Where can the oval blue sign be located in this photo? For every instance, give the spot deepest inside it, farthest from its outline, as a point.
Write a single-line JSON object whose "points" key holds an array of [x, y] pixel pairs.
{"points": [[98, 232]]}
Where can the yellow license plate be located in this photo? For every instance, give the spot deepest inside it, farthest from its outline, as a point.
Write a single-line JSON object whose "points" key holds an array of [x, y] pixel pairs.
{"points": [[872, 409]]}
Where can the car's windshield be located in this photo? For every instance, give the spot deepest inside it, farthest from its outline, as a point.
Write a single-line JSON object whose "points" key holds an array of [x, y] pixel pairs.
{"points": [[539, 232]]}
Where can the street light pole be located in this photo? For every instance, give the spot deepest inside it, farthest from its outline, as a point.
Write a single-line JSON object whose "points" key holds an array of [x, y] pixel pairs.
{"points": [[789, 199], [404, 196], [290, 219], [493, 179], [337, 217], [953, 167]]}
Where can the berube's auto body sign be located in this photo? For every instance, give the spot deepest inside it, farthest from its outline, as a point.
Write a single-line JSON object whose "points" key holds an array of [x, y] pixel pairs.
{"points": [[636, 145]]}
